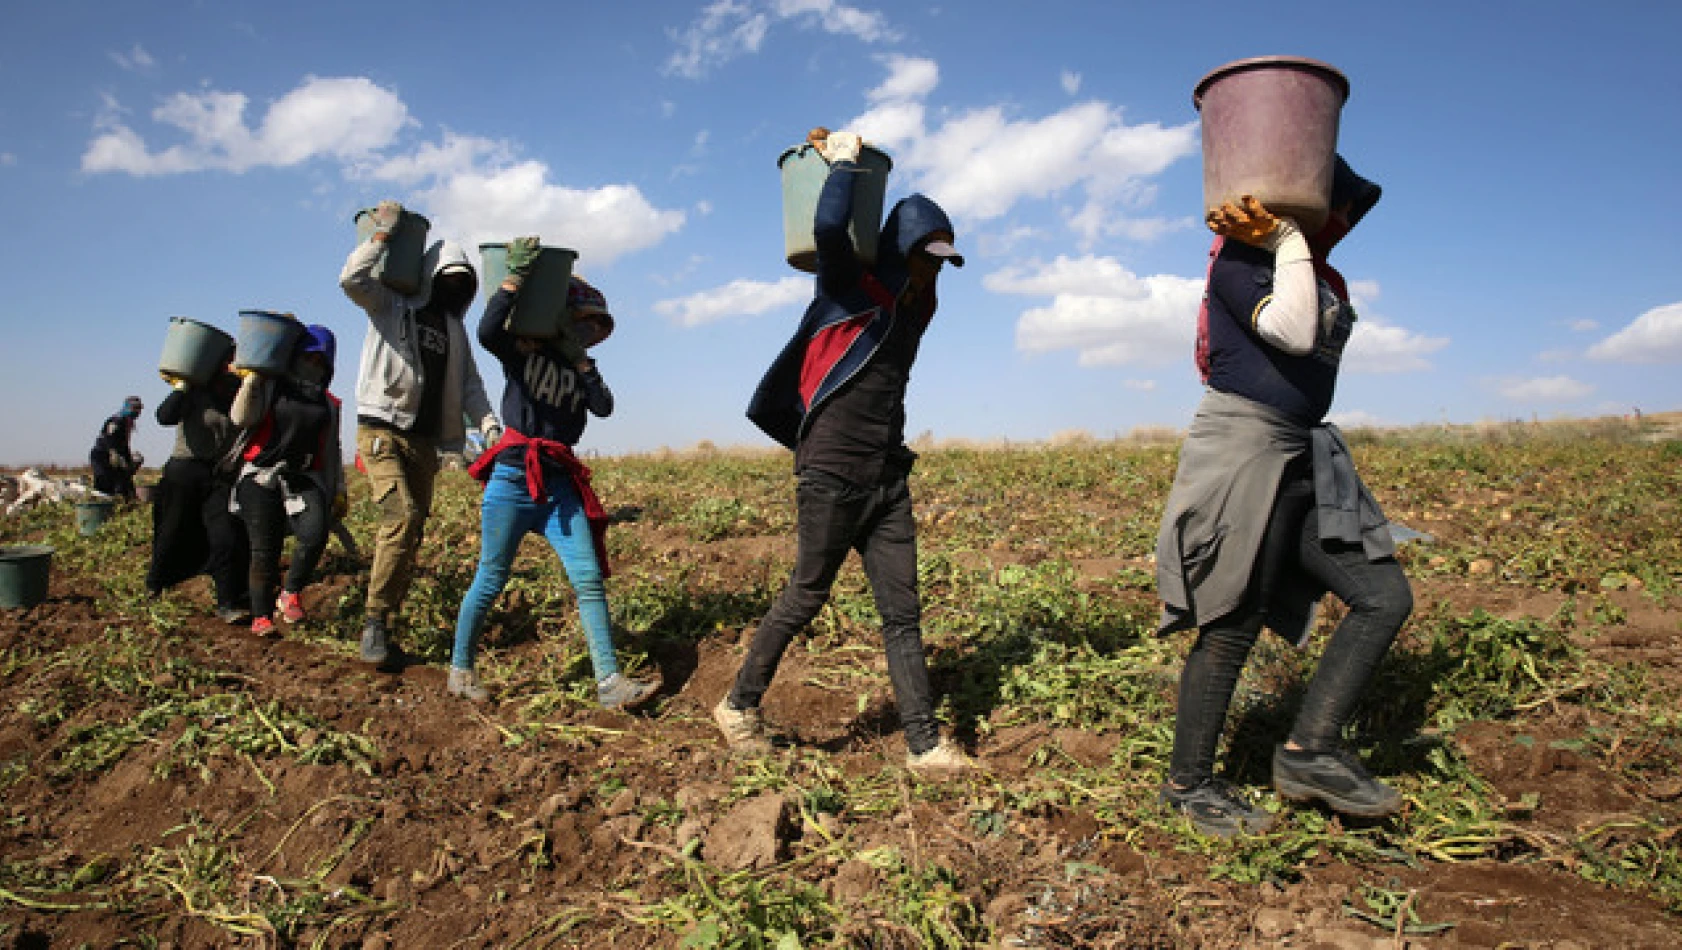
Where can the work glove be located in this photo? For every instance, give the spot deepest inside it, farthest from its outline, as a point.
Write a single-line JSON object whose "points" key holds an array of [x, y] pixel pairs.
{"points": [[522, 257], [385, 216], [1248, 221], [841, 147], [493, 435]]}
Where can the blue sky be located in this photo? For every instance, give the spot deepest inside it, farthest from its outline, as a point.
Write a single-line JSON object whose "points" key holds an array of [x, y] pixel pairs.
{"points": [[200, 158]]}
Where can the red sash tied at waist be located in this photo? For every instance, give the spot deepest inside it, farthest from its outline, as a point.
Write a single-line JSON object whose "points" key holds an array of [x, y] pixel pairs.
{"points": [[559, 452]]}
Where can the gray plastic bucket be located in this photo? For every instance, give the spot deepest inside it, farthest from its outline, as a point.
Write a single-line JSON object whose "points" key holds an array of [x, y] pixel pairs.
{"points": [[193, 351], [403, 269], [266, 340], [804, 172], [24, 572], [1270, 130], [90, 515], [542, 302]]}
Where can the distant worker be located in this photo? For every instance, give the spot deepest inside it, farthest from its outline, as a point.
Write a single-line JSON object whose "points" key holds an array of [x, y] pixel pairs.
{"points": [[417, 379], [534, 484], [1267, 513], [114, 461], [835, 395]]}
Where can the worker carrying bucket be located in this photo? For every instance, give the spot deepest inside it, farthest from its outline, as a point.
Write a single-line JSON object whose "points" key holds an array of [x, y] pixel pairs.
{"points": [[805, 168]]}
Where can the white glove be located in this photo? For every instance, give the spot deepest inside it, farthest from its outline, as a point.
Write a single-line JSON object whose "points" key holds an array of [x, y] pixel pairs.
{"points": [[841, 147], [492, 435]]}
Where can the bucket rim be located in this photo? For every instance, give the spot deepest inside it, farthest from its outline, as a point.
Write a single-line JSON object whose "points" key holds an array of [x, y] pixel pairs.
{"points": [[503, 245], [200, 323], [96, 503], [275, 314], [867, 147], [1303, 63], [26, 552], [357, 217]]}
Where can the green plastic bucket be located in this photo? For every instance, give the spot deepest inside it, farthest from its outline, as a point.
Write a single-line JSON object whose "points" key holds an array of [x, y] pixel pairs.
{"points": [[24, 570], [193, 351], [266, 340], [804, 171], [403, 269], [91, 514], [543, 296]]}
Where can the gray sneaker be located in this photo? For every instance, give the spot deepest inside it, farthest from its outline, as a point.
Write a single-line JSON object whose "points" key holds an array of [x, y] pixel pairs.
{"points": [[1217, 809], [233, 616], [621, 692], [1337, 778], [465, 683], [375, 649], [744, 729], [945, 760]]}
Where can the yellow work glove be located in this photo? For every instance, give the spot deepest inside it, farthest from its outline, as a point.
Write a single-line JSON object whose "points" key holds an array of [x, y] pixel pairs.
{"points": [[1248, 221]]}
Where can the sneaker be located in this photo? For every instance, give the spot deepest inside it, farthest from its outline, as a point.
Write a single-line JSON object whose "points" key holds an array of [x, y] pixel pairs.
{"points": [[1337, 778], [290, 606], [375, 650], [264, 627], [465, 683], [744, 729], [1217, 809], [621, 692], [944, 760], [233, 616]]}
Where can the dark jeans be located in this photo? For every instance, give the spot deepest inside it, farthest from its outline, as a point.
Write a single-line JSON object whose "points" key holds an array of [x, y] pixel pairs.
{"points": [[264, 512], [1379, 601], [835, 516], [193, 532]]}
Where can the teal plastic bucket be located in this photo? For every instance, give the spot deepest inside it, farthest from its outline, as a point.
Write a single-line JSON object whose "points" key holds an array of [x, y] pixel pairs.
{"points": [[24, 570], [193, 351], [91, 514], [543, 296], [403, 269], [804, 171], [266, 340]]}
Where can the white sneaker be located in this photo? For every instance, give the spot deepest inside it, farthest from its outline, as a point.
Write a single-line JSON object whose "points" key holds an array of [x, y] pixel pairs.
{"points": [[465, 683], [942, 761], [744, 729]]}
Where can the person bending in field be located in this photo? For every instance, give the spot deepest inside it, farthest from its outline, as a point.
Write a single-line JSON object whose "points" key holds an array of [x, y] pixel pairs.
{"points": [[292, 477], [534, 484], [114, 462], [192, 529], [836, 396], [1267, 513]]}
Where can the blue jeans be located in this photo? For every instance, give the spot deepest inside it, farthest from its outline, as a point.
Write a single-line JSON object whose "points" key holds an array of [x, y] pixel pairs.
{"points": [[506, 516]]}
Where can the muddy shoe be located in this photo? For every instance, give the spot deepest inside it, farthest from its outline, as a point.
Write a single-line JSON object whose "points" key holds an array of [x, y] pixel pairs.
{"points": [[265, 628], [621, 692], [942, 761], [1337, 778], [465, 683], [1217, 809], [233, 616], [744, 729], [290, 606], [375, 649]]}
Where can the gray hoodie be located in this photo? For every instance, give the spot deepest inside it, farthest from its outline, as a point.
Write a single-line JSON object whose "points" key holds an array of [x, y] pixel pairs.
{"points": [[389, 384]]}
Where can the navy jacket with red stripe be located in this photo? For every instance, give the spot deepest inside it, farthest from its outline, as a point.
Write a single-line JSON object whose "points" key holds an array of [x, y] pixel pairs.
{"points": [[851, 313]]}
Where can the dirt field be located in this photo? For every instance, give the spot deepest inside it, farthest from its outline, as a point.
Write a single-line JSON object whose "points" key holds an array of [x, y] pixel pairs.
{"points": [[172, 782]]}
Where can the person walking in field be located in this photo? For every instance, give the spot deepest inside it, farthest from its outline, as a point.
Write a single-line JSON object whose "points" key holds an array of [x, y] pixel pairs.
{"points": [[114, 462], [292, 476], [835, 395], [534, 484], [1267, 513], [417, 381], [193, 531]]}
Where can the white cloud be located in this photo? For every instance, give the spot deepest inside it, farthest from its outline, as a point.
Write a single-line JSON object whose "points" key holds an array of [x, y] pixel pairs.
{"points": [[1584, 326], [347, 118], [703, 207], [1364, 292], [1543, 389], [727, 29], [1379, 347], [1083, 276], [1107, 314], [1070, 82], [909, 77], [739, 298], [1140, 385], [1354, 419], [700, 146], [135, 60], [1653, 337]]}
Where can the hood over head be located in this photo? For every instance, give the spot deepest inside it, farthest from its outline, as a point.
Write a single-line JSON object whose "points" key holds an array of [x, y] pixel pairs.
{"points": [[1348, 189], [445, 257], [910, 222]]}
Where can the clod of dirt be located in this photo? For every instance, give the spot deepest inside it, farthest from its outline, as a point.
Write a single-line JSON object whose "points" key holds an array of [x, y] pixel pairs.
{"points": [[623, 803], [1273, 922], [754, 834], [854, 882]]}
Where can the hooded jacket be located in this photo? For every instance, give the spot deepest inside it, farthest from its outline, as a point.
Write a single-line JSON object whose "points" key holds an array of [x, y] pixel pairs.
{"points": [[389, 384], [852, 312]]}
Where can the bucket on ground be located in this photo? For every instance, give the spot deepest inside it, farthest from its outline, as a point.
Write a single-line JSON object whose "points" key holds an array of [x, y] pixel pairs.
{"points": [[542, 302], [1270, 130], [804, 171], [193, 351], [266, 340], [403, 267], [91, 514], [24, 570]]}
